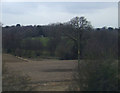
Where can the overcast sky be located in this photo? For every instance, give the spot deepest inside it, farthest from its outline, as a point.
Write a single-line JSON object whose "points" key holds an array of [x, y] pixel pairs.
{"points": [[34, 13]]}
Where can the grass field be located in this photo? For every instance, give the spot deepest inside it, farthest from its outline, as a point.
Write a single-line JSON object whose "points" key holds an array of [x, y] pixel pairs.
{"points": [[44, 40], [45, 74]]}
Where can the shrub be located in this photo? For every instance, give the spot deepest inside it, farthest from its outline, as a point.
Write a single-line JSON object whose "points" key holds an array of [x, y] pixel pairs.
{"points": [[66, 50], [96, 75]]}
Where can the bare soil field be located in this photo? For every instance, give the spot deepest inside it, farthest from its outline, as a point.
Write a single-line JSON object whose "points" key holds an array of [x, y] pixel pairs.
{"points": [[46, 74]]}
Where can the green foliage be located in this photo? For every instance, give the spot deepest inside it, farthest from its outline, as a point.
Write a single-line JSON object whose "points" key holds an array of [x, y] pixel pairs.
{"points": [[97, 75], [44, 41], [52, 45], [65, 49]]}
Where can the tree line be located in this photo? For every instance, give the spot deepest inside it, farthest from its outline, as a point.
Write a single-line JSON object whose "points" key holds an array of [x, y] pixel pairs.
{"points": [[58, 40]]}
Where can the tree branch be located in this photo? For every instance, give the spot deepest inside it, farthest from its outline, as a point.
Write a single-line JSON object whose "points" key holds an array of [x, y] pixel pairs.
{"points": [[74, 39]]}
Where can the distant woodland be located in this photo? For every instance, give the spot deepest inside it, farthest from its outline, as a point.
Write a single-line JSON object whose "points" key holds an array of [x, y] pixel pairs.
{"points": [[58, 40]]}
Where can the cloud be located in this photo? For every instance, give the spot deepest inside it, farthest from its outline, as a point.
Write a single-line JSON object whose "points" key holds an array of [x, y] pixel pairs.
{"points": [[100, 14], [60, 0], [104, 17], [18, 8]]}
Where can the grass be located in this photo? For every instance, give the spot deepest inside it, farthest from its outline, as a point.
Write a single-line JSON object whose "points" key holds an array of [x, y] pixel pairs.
{"points": [[46, 74], [44, 40], [10, 58]]}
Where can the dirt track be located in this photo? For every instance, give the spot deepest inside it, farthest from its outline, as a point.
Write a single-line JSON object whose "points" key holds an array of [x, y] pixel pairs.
{"points": [[44, 71]]}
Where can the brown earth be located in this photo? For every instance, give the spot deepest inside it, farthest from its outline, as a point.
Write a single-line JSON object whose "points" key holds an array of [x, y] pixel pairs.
{"points": [[46, 74]]}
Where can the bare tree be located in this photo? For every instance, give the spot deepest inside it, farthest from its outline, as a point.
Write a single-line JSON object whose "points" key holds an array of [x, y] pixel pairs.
{"points": [[80, 24]]}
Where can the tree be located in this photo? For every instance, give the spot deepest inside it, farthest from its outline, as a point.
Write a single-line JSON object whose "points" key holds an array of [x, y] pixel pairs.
{"points": [[80, 24], [18, 25], [96, 75]]}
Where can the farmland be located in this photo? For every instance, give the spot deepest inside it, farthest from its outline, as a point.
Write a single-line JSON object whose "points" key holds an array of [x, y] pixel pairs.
{"points": [[45, 74]]}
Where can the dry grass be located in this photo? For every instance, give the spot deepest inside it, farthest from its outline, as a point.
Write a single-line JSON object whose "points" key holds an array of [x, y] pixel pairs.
{"points": [[10, 58], [45, 74]]}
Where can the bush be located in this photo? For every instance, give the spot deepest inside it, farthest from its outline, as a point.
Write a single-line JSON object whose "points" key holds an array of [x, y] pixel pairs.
{"points": [[66, 50], [99, 75]]}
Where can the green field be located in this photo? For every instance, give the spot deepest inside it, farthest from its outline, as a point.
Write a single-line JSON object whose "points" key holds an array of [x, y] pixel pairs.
{"points": [[44, 40]]}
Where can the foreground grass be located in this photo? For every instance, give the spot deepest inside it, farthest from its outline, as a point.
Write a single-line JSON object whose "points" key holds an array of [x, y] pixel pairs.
{"points": [[14, 80], [44, 75]]}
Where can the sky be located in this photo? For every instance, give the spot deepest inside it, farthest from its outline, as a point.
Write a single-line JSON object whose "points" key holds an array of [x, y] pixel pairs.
{"points": [[100, 14]]}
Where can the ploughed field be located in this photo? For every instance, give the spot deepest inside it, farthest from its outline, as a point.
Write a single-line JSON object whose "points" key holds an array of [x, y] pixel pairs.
{"points": [[45, 74]]}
